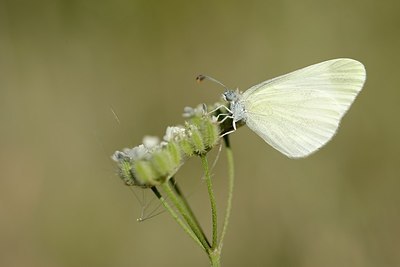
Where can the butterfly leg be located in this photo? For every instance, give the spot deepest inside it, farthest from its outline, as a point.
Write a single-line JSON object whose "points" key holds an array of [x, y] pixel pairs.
{"points": [[227, 116], [233, 125], [220, 106]]}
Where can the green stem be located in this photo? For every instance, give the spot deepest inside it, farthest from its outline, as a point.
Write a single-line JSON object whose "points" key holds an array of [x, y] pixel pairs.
{"points": [[176, 217], [231, 171], [215, 257], [184, 202], [185, 214], [212, 201]]}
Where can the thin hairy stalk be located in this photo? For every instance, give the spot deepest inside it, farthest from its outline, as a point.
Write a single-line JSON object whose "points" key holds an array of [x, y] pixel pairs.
{"points": [[212, 201], [231, 177], [176, 217]]}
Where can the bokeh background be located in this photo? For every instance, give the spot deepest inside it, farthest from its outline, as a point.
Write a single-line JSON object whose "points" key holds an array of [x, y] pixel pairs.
{"points": [[65, 64]]}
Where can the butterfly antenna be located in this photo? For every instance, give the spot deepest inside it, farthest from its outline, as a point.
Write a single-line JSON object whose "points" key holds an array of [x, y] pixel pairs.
{"points": [[201, 78]]}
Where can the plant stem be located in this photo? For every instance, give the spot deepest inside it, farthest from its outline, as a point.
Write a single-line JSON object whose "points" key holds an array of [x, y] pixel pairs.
{"points": [[212, 201], [215, 257], [186, 215], [184, 202], [176, 217], [231, 178]]}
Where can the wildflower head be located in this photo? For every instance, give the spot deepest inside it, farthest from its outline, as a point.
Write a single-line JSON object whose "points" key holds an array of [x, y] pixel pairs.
{"points": [[155, 161]]}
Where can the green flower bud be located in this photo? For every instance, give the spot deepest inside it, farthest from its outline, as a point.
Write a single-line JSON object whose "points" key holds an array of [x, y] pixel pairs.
{"points": [[125, 173], [174, 153], [196, 139], [145, 173], [161, 163], [186, 146]]}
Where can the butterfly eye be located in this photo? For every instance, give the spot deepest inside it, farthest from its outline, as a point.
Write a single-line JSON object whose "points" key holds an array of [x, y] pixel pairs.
{"points": [[230, 96]]}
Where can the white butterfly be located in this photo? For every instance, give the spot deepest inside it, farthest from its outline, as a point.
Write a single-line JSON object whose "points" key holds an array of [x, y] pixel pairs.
{"points": [[299, 112]]}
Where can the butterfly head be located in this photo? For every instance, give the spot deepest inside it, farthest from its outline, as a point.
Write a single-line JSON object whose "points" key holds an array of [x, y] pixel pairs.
{"points": [[231, 96]]}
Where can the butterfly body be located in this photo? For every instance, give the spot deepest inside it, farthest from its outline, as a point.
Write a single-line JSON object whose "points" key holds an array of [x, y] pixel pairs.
{"points": [[236, 105]]}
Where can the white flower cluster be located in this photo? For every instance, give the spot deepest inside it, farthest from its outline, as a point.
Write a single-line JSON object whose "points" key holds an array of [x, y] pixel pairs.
{"points": [[155, 161], [189, 112], [150, 145]]}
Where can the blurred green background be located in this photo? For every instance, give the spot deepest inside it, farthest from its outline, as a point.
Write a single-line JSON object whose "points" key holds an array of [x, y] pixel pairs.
{"points": [[64, 64]]}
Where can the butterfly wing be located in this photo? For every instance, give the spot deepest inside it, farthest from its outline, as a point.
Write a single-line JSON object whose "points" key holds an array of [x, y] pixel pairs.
{"points": [[299, 112]]}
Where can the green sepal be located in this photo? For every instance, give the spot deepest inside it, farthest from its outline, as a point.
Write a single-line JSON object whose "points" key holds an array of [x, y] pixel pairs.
{"points": [[125, 173], [145, 173], [161, 163], [175, 153], [210, 133], [196, 139], [186, 147]]}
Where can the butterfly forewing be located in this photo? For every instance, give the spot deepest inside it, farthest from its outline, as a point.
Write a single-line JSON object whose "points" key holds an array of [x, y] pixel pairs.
{"points": [[299, 112]]}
